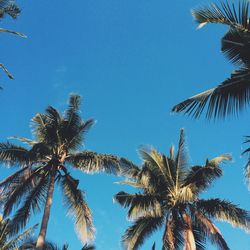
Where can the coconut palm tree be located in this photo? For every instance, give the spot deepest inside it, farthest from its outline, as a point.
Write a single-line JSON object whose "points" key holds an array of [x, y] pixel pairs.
{"points": [[169, 199], [54, 150], [8, 240], [233, 94]]}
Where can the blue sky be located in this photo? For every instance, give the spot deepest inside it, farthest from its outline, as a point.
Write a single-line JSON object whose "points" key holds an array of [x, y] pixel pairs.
{"points": [[131, 61]]}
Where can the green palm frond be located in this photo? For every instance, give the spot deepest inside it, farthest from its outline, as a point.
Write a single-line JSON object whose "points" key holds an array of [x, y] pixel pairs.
{"points": [[11, 154], [140, 205], [230, 97], [31, 204], [21, 189], [142, 228], [205, 225], [17, 241], [10, 180], [91, 162], [181, 160], [225, 211], [235, 46], [78, 208], [229, 14]]}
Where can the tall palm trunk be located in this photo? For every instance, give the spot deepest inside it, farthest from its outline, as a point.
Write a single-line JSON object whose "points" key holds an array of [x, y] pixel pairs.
{"points": [[41, 238]]}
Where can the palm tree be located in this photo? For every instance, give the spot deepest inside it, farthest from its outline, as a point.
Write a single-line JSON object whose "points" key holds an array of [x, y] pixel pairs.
{"points": [[8, 241], [57, 139], [233, 94], [169, 198]]}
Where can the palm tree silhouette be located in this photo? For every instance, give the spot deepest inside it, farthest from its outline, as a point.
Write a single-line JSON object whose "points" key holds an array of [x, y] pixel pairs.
{"points": [[54, 150], [169, 198]]}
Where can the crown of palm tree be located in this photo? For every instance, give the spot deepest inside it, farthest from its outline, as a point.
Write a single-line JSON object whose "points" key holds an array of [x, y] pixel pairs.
{"points": [[8, 240], [232, 95], [54, 150], [169, 198]]}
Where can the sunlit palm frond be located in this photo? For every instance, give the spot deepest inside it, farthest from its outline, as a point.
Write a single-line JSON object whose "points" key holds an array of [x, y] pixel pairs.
{"points": [[78, 208], [225, 211], [14, 33], [142, 228], [219, 159], [11, 154], [229, 14], [140, 205], [91, 162], [153, 160], [230, 97]]}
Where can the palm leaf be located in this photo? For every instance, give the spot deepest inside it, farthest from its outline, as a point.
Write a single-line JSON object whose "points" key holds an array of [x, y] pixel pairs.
{"points": [[226, 14], [31, 204], [10, 8], [140, 205], [11, 154], [142, 228], [88, 247], [92, 162], [77, 206], [225, 211], [12, 244], [14, 33], [230, 97], [210, 230]]}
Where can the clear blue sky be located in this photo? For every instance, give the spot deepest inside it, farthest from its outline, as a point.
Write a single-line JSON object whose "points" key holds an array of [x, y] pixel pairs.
{"points": [[131, 61]]}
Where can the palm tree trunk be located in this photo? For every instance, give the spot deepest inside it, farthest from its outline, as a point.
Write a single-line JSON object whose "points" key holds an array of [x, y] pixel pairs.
{"points": [[41, 238]]}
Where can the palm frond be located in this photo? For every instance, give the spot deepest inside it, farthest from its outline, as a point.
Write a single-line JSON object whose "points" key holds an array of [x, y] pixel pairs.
{"points": [[128, 168], [91, 162], [226, 14], [14, 33], [11, 180], [235, 46], [210, 230], [31, 204], [10, 8], [181, 160], [201, 177], [11, 154], [225, 211], [17, 241], [142, 228], [77, 206], [230, 97], [20, 190], [219, 159], [140, 205]]}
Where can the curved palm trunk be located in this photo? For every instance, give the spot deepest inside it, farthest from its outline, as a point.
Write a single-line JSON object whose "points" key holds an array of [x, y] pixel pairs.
{"points": [[41, 238]]}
